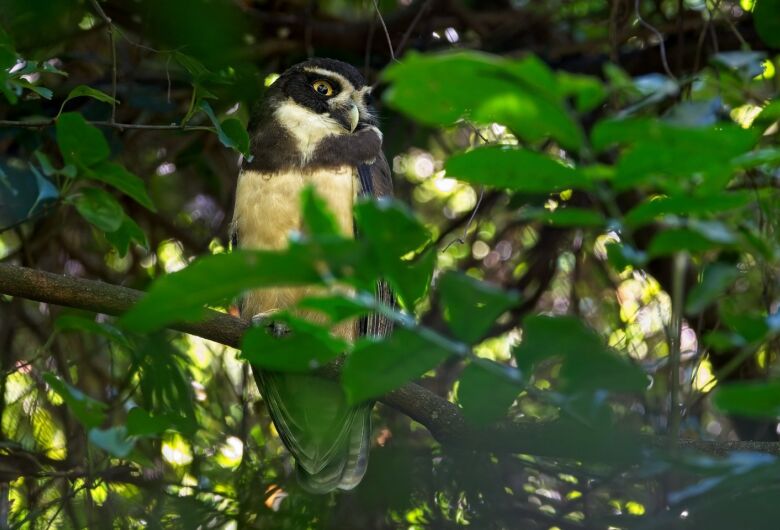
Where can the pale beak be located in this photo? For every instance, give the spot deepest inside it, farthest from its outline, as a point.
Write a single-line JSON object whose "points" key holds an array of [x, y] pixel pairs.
{"points": [[354, 116]]}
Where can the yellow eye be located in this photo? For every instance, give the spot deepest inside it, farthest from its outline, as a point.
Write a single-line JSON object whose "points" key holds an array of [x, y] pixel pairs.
{"points": [[322, 87]]}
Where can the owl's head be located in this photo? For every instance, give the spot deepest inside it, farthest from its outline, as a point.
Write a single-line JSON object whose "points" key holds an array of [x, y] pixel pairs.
{"points": [[324, 93]]}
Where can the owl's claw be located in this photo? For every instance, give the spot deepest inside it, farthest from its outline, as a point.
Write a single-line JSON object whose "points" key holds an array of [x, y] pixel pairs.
{"points": [[277, 329]]}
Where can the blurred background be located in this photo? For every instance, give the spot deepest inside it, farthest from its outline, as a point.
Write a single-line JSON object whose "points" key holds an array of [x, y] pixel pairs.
{"points": [[215, 460]]}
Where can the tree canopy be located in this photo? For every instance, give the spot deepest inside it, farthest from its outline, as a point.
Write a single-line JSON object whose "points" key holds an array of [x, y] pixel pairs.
{"points": [[583, 243]]}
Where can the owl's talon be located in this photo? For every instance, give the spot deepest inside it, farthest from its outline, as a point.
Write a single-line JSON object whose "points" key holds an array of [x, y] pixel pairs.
{"points": [[277, 329]]}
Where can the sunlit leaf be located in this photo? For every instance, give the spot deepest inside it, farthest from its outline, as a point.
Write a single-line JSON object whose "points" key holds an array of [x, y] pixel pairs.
{"points": [[88, 411], [514, 169]]}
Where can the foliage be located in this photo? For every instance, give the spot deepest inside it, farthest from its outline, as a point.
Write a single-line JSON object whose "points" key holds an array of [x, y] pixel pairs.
{"points": [[618, 265]]}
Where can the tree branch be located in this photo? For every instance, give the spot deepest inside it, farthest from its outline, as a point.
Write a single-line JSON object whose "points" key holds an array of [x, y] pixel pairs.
{"points": [[442, 418], [40, 124]]}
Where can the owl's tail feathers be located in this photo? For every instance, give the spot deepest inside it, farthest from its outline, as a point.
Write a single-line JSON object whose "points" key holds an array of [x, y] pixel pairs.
{"points": [[346, 469], [329, 438]]}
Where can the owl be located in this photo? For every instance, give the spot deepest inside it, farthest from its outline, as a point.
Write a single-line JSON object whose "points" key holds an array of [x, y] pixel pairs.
{"points": [[315, 127]]}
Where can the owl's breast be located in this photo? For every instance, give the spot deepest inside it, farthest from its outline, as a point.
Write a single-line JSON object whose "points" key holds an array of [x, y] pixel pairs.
{"points": [[268, 205]]}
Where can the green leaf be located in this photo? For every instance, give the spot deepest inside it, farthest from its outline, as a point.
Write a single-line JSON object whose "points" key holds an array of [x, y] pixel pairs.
{"points": [[88, 411], [588, 364], [128, 232], [233, 129], [182, 295], [514, 169], [375, 368], [142, 423], [230, 132], [621, 256], [759, 400], [588, 92], [716, 278], [393, 232], [439, 89], [486, 390], [682, 205], [99, 208], [86, 91], [694, 237], [411, 279], [72, 322], [470, 306], [317, 218], [120, 178], [113, 440], [306, 347], [338, 308], [81, 144], [694, 159]]}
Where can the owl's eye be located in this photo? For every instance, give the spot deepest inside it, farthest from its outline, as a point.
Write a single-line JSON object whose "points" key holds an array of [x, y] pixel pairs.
{"points": [[322, 87]]}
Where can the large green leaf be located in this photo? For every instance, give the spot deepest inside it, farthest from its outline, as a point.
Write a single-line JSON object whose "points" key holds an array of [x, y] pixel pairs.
{"points": [[588, 364], [120, 178], [716, 278], [81, 144], [182, 295], [470, 306], [375, 368], [486, 390], [394, 235], [88, 411], [142, 423], [522, 94], [514, 169], [761, 400], [702, 205], [766, 17], [672, 157], [99, 208], [306, 347]]}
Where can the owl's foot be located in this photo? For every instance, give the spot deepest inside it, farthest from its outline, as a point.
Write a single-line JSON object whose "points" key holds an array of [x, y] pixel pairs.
{"points": [[277, 329]]}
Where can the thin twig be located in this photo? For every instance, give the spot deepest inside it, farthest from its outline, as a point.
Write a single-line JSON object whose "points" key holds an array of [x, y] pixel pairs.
{"points": [[112, 43], [461, 240], [661, 43], [387, 32], [412, 25]]}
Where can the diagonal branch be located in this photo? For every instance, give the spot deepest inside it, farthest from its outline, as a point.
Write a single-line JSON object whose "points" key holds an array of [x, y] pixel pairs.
{"points": [[442, 418]]}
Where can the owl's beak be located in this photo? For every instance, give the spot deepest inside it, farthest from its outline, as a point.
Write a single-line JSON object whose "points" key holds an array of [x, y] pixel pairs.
{"points": [[354, 116]]}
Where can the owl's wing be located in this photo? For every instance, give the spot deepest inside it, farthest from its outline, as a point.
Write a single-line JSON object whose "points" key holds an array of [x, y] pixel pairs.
{"points": [[377, 181]]}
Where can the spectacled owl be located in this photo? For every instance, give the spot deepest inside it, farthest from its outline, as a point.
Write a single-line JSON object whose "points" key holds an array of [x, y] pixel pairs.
{"points": [[315, 127]]}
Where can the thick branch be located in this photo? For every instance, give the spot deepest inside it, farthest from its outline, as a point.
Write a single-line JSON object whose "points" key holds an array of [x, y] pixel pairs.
{"points": [[442, 418]]}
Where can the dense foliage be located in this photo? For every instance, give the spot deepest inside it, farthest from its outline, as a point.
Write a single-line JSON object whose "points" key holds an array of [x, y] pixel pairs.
{"points": [[584, 247]]}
